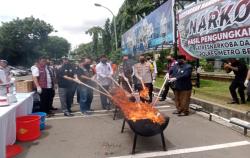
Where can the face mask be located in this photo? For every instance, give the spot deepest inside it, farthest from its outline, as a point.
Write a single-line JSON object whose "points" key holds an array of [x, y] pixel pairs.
{"points": [[87, 66], [180, 61], [142, 60], [104, 61], [169, 60]]}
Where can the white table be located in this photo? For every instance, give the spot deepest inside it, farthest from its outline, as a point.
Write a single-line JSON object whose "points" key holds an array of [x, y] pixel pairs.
{"points": [[8, 115]]}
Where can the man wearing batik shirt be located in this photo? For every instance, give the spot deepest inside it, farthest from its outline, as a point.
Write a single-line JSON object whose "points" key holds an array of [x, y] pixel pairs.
{"points": [[44, 81], [125, 72], [104, 72]]}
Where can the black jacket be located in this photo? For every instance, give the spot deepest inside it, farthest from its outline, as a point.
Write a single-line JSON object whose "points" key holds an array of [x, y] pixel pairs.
{"points": [[183, 75]]}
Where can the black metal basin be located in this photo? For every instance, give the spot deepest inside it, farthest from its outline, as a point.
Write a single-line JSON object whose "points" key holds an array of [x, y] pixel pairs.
{"points": [[147, 128]]}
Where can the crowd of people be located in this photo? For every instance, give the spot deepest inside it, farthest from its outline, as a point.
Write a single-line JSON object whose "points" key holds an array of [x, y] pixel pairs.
{"points": [[131, 75]]}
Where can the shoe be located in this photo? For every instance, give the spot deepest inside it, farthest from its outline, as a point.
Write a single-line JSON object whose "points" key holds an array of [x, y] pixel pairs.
{"points": [[162, 100], [91, 110], [68, 114], [176, 112], [69, 110], [233, 102], [53, 108], [51, 113], [86, 113], [243, 102], [184, 114]]}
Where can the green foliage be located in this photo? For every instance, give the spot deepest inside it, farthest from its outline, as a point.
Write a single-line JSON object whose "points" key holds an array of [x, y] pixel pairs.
{"points": [[115, 56], [56, 47], [106, 37], [21, 40], [209, 67], [161, 62], [95, 32]]}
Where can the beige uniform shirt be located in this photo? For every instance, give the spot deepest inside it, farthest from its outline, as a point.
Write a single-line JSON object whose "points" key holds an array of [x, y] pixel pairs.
{"points": [[143, 71]]}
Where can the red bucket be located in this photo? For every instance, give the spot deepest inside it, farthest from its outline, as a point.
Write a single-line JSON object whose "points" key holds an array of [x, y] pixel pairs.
{"points": [[13, 150], [28, 128]]}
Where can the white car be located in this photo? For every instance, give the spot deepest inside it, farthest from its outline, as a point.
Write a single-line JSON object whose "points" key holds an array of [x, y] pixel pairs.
{"points": [[17, 72]]}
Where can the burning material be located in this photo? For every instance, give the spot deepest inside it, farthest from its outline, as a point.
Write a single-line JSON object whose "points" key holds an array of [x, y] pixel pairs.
{"points": [[144, 93], [135, 111]]}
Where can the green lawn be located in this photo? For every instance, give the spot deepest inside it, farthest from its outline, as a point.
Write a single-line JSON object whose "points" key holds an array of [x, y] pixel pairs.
{"points": [[213, 91]]}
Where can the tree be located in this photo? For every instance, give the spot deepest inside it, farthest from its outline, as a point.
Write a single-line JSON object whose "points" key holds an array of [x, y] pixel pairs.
{"points": [[56, 47], [95, 32], [21, 40], [106, 37]]}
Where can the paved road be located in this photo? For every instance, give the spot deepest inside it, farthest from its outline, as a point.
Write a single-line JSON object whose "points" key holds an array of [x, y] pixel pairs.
{"points": [[98, 136]]}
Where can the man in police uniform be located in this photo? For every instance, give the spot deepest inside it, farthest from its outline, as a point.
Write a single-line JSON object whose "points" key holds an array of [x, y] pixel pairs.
{"points": [[84, 74], [143, 71]]}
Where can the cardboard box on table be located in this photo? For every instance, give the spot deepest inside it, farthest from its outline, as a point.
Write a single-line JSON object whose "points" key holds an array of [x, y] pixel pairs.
{"points": [[24, 86]]}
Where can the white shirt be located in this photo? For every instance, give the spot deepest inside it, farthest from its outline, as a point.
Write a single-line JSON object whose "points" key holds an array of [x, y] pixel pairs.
{"points": [[103, 71], [3, 76], [35, 73]]}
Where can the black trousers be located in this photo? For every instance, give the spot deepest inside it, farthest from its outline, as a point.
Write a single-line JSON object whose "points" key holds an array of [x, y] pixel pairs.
{"points": [[70, 96], [150, 91], [240, 86], [166, 89], [104, 99], [46, 99]]}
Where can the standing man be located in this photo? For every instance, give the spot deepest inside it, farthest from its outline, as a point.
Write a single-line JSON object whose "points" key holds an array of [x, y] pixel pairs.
{"points": [[52, 68], [143, 71], [44, 82], [240, 71], [4, 66], [66, 87], [104, 72], [170, 65], [84, 73], [2, 75], [125, 72], [181, 75], [153, 67], [247, 85]]}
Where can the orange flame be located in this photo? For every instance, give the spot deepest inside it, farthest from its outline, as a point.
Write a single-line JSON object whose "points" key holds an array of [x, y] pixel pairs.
{"points": [[135, 111], [144, 93]]}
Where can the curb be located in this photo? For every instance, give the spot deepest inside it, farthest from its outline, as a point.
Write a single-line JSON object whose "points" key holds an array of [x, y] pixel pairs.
{"points": [[216, 108]]}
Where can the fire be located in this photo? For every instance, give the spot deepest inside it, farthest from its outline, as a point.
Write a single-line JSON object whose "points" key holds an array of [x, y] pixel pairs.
{"points": [[144, 93], [135, 111]]}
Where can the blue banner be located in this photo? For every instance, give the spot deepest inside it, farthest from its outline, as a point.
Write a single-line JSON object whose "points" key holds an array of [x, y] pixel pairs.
{"points": [[153, 32]]}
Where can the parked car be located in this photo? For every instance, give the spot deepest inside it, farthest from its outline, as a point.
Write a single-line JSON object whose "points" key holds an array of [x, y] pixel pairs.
{"points": [[18, 72]]}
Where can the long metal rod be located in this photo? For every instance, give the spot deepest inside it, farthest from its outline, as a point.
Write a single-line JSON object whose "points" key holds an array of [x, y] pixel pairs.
{"points": [[79, 82], [115, 82], [98, 84], [158, 96], [130, 87]]}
